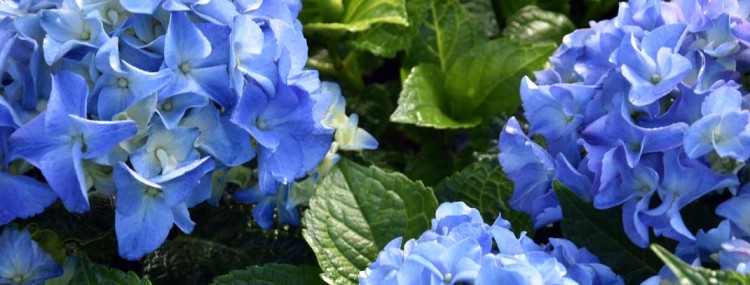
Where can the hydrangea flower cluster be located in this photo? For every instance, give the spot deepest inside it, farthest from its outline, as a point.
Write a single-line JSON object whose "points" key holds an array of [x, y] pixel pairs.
{"points": [[646, 111], [148, 101], [459, 248], [24, 262]]}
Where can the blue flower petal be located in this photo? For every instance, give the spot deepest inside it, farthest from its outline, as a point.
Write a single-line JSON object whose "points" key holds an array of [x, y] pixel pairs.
{"points": [[23, 197], [143, 231]]}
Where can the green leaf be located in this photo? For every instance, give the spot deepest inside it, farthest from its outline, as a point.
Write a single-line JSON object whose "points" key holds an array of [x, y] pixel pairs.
{"points": [[88, 272], [449, 31], [421, 100], [270, 274], [386, 39], [602, 233], [484, 13], [356, 211], [532, 24], [698, 276], [484, 186], [486, 79], [355, 15]]}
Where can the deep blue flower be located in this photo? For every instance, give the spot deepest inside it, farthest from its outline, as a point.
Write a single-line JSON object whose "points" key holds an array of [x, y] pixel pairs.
{"points": [[121, 85], [737, 212], [252, 53], [172, 109], [193, 60], [619, 129], [556, 110], [147, 207], [263, 212], [59, 139], [582, 266], [281, 124], [527, 164], [24, 262], [724, 127], [682, 182], [23, 197], [219, 137], [653, 67]]}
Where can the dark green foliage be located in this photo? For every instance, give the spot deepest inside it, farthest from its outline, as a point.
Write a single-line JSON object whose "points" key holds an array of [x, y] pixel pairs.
{"points": [[483, 185], [273, 274]]}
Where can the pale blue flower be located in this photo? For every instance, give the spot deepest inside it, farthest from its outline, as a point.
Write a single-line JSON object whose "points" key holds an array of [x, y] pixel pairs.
{"points": [[24, 262]]}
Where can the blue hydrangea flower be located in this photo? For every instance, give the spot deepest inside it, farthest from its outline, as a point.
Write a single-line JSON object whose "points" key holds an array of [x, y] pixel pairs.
{"points": [[527, 165], [68, 29], [724, 127], [58, 140], [147, 207], [24, 262], [195, 61], [655, 68], [121, 85], [440, 256], [644, 112], [166, 78]]}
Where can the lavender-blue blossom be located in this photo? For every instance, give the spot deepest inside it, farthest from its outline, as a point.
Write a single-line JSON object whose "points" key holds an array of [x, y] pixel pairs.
{"points": [[646, 112], [128, 98], [459, 248]]}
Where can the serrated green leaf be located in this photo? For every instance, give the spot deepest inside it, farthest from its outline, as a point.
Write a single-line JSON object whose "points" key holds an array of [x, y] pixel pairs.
{"points": [[278, 274], [698, 276], [448, 32], [421, 100], [484, 186], [532, 24], [356, 211], [602, 233], [386, 40], [354, 15], [89, 273], [485, 80]]}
